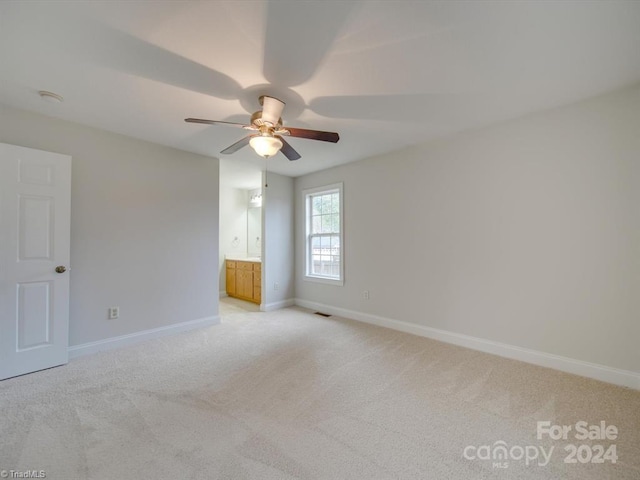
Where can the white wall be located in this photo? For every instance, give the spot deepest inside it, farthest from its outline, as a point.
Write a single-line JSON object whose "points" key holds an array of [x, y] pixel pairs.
{"points": [[524, 233], [278, 249], [144, 227], [233, 225]]}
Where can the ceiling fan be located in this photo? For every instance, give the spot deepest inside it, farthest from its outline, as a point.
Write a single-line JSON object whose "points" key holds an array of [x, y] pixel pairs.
{"points": [[267, 124]]}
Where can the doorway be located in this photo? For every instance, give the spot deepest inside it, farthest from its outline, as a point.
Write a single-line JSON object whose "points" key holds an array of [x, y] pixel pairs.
{"points": [[240, 227]]}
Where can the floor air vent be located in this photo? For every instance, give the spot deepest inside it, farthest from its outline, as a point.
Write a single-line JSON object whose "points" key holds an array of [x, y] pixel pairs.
{"points": [[323, 314]]}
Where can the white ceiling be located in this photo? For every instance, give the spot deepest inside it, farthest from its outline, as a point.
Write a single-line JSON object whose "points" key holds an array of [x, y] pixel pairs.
{"points": [[383, 74]]}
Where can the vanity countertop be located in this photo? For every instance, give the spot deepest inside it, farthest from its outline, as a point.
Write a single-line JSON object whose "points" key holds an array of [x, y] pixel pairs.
{"points": [[244, 259]]}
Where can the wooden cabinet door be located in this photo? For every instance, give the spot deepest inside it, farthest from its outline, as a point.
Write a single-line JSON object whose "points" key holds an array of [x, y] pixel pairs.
{"points": [[245, 283], [231, 281], [257, 284]]}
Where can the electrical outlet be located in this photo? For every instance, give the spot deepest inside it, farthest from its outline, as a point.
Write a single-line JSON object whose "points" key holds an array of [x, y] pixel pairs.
{"points": [[276, 286], [365, 294], [114, 312]]}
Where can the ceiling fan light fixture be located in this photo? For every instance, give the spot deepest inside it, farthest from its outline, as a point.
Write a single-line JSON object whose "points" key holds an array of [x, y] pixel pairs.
{"points": [[265, 146]]}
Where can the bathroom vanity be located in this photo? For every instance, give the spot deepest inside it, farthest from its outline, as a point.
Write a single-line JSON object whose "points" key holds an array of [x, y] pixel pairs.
{"points": [[244, 279]]}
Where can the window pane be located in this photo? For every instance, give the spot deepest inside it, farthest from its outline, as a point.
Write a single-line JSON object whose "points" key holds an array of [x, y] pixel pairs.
{"points": [[335, 255], [316, 224], [315, 266], [325, 242], [326, 223], [335, 223], [335, 203], [316, 203], [326, 203], [335, 245]]}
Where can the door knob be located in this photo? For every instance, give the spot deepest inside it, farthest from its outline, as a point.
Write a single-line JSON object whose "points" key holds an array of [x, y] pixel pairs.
{"points": [[61, 269]]}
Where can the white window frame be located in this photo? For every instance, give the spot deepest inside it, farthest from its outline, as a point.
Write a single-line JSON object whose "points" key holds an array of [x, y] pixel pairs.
{"points": [[307, 195]]}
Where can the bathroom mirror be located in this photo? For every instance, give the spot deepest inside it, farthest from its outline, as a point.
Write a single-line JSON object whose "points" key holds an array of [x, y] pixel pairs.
{"points": [[254, 231]]}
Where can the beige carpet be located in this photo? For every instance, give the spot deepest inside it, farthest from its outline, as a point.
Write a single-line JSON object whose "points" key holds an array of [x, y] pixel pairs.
{"points": [[289, 394]]}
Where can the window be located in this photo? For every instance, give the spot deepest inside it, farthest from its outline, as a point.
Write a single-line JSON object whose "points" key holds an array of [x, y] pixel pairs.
{"points": [[324, 258]]}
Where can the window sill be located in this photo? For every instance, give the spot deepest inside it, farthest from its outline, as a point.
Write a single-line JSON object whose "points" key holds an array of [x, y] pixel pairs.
{"points": [[325, 280]]}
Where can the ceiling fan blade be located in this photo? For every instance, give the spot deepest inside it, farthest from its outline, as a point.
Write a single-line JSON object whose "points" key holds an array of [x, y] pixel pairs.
{"points": [[271, 109], [287, 150], [332, 137], [217, 122], [243, 142]]}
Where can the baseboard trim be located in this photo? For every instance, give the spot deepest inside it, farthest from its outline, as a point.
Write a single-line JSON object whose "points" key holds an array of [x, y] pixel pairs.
{"points": [[269, 307], [625, 378], [222, 294], [137, 337]]}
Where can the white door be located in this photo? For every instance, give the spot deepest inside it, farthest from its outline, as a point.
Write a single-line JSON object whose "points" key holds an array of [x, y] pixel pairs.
{"points": [[35, 206]]}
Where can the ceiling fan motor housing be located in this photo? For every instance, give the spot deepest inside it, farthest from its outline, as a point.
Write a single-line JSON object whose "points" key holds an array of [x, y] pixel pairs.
{"points": [[257, 121]]}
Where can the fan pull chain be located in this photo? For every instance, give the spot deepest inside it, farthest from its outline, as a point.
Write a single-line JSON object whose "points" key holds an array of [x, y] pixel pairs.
{"points": [[266, 169]]}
